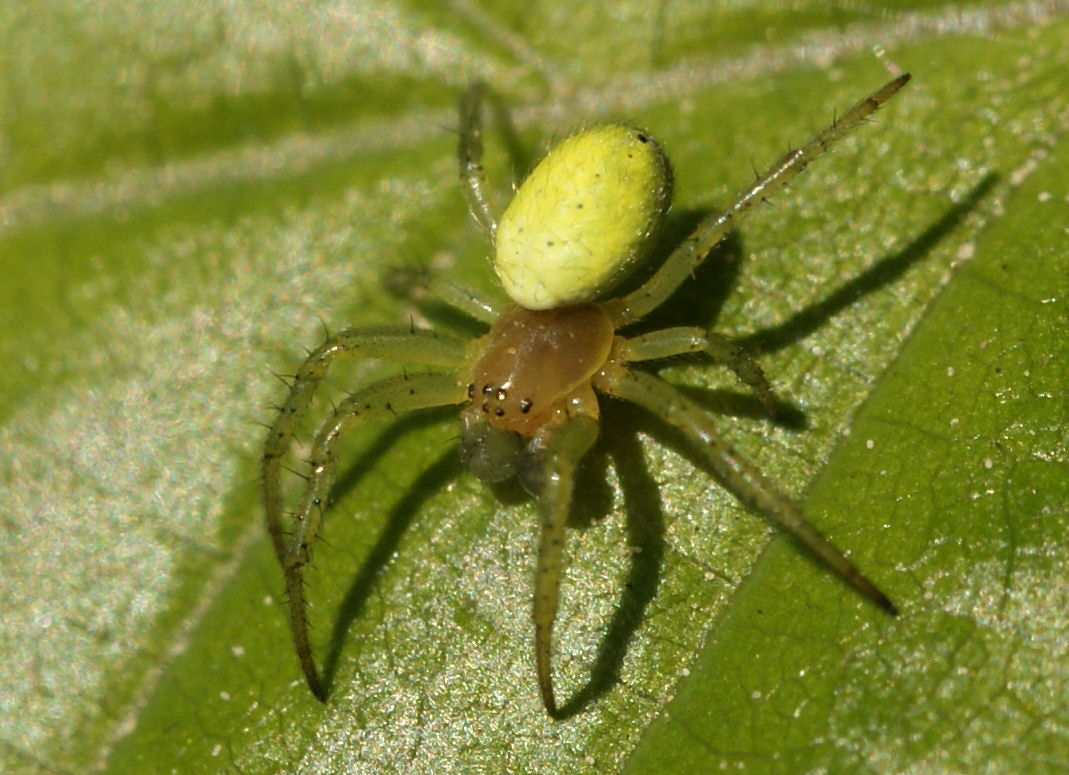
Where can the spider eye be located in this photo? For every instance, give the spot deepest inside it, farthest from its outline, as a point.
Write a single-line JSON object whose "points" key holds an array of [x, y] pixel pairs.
{"points": [[579, 222]]}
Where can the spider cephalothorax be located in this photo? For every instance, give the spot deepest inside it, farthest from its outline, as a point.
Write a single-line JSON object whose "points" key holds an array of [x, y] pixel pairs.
{"points": [[536, 366], [529, 387]]}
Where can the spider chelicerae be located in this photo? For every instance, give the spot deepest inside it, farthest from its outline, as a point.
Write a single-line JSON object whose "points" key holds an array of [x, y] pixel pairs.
{"points": [[528, 388]]}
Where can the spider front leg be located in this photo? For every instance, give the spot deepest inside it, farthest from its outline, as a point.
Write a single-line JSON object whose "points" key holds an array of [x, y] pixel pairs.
{"points": [[386, 343], [388, 397], [564, 447], [693, 250], [383, 399], [739, 475]]}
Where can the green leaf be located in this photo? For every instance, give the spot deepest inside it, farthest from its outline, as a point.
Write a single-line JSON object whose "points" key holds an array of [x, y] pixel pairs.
{"points": [[192, 192]]}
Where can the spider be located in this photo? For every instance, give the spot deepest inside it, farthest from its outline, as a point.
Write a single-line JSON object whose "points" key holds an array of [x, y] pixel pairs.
{"points": [[529, 387]]}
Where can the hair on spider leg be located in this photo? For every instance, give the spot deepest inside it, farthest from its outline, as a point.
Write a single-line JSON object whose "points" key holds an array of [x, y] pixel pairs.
{"points": [[881, 273], [304, 585], [285, 379], [325, 331], [295, 472], [324, 538]]}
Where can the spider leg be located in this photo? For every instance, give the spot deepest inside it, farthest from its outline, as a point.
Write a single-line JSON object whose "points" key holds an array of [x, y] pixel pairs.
{"points": [[464, 299], [383, 399], [747, 483], [406, 282], [566, 445], [394, 344], [682, 261], [685, 339], [470, 154]]}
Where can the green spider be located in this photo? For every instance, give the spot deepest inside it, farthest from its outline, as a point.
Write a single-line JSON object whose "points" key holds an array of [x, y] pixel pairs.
{"points": [[529, 388]]}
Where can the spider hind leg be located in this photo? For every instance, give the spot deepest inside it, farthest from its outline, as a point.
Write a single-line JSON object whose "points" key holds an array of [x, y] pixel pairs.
{"points": [[740, 476]]}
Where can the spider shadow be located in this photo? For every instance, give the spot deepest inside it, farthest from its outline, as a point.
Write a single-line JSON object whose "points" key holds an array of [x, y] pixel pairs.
{"points": [[645, 529], [706, 291], [700, 299], [434, 478], [880, 274], [645, 516], [618, 442], [521, 154]]}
